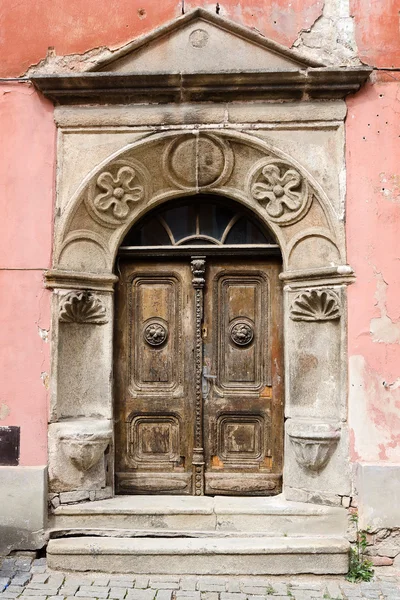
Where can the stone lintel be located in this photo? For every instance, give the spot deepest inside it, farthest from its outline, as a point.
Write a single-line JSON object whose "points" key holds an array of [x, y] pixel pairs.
{"points": [[104, 87], [314, 113]]}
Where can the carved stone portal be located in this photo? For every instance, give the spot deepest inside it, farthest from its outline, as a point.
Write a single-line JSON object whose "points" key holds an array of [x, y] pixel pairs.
{"points": [[116, 193]]}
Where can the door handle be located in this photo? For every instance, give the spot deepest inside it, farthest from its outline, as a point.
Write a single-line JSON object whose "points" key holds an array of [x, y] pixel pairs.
{"points": [[206, 382]]}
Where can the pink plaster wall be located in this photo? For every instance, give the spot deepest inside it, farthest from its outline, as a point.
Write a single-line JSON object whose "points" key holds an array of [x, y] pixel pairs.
{"points": [[27, 164], [373, 239]]}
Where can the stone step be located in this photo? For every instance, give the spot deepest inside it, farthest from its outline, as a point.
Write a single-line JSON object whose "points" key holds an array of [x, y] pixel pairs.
{"points": [[201, 556], [273, 516]]}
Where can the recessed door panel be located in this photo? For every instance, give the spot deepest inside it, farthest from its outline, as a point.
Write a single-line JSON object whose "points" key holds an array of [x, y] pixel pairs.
{"points": [[243, 402], [155, 393]]}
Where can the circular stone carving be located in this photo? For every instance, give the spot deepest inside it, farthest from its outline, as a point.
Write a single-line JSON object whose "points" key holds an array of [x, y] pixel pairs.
{"points": [[281, 189], [198, 38], [155, 333], [242, 333], [194, 161], [116, 191]]}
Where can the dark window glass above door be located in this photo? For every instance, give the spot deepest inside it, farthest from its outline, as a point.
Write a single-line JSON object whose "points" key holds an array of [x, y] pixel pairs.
{"points": [[199, 220]]}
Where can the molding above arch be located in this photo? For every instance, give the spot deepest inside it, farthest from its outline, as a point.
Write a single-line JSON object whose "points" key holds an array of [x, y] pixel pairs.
{"points": [[159, 167]]}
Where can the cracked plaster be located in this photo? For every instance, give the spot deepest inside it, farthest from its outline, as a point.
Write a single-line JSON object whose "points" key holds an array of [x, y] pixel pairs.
{"points": [[331, 38]]}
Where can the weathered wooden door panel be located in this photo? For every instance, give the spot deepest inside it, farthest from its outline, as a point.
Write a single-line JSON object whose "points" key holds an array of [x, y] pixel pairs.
{"points": [[154, 379], [169, 432], [243, 402]]}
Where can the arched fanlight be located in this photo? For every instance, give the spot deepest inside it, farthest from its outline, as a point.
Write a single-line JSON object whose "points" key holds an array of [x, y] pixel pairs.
{"points": [[198, 220]]}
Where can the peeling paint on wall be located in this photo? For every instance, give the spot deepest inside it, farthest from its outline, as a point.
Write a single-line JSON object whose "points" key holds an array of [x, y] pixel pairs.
{"points": [[281, 20], [4, 411], [373, 224], [44, 334], [331, 38], [377, 31], [384, 329], [374, 414]]}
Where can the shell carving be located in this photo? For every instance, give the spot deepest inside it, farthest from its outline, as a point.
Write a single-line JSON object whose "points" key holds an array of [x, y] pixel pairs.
{"points": [[316, 305], [82, 307]]}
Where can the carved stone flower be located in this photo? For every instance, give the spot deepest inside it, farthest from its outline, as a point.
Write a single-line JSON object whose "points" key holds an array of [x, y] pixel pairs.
{"points": [[278, 192], [155, 334], [242, 334], [118, 192]]}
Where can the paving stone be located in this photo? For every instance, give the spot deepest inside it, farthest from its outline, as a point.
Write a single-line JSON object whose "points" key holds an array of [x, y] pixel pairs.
{"points": [[15, 588], [23, 564], [255, 597], [38, 569], [55, 597], [28, 597], [188, 583], [306, 585], [43, 588], [333, 590], [212, 585], [68, 590], [354, 592], [255, 581], [257, 590], [164, 585], [21, 578], [5, 580], [7, 594], [209, 596], [56, 578], [187, 595], [164, 595], [233, 585], [118, 593], [101, 581], [39, 562], [122, 583], [91, 590], [141, 594], [232, 596], [81, 598], [8, 563], [142, 582], [74, 580]]}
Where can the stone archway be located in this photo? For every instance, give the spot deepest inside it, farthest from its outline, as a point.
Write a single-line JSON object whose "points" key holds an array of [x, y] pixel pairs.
{"points": [[282, 194]]}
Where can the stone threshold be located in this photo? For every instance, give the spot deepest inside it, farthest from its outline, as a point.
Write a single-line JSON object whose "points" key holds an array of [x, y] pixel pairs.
{"points": [[164, 505], [189, 516]]}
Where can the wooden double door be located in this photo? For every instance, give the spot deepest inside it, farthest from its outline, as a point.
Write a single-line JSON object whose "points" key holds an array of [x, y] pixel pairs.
{"points": [[199, 390]]}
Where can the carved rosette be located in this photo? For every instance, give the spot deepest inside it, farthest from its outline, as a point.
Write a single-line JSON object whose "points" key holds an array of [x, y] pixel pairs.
{"points": [[84, 442], [155, 332], [195, 161], [316, 305], [82, 307], [313, 443], [242, 333], [281, 190], [116, 191]]}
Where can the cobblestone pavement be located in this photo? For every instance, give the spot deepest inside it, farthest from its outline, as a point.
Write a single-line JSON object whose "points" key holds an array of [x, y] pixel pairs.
{"points": [[29, 579]]}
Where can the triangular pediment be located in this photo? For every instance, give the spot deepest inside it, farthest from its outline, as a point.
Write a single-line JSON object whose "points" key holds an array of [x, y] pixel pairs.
{"points": [[202, 42]]}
